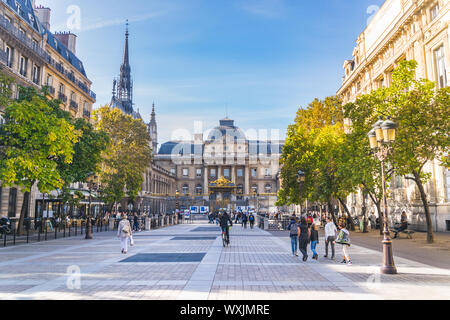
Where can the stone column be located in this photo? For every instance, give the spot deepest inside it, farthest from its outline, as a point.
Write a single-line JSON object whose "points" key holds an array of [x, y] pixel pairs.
{"points": [[206, 181], [219, 172], [233, 174], [247, 180]]}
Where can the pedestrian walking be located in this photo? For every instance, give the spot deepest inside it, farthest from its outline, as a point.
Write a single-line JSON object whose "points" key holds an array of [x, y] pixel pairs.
{"points": [[136, 222], [314, 240], [330, 237], [303, 239], [293, 234], [244, 220], [344, 240], [124, 232], [251, 219]]}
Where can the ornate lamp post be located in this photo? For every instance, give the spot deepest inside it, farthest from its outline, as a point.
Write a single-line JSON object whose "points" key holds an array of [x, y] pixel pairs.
{"points": [[91, 180], [381, 138], [301, 177]]}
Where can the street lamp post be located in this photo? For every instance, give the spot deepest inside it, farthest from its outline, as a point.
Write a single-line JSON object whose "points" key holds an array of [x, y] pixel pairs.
{"points": [[381, 138], [301, 176], [91, 182]]}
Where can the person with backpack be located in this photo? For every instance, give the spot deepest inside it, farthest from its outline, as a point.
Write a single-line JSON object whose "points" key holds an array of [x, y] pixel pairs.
{"points": [[244, 220], [124, 232], [251, 219], [344, 240], [314, 240], [293, 234]]}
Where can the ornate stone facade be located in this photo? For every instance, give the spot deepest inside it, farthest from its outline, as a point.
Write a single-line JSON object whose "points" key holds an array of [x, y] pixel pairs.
{"points": [[35, 57], [252, 165], [405, 29]]}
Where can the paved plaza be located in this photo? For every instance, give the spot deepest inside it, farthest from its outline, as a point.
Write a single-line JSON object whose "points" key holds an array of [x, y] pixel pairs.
{"points": [[188, 262]]}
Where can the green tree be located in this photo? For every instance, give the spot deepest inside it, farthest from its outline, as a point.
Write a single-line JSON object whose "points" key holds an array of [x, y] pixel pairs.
{"points": [[127, 156], [34, 139], [423, 117], [86, 159], [314, 145]]}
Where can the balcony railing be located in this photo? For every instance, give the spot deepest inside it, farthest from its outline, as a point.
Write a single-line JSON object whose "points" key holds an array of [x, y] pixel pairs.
{"points": [[22, 38], [87, 113], [73, 105], [62, 97]]}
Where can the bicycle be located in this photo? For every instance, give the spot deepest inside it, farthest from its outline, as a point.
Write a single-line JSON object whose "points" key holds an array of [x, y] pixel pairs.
{"points": [[225, 239]]}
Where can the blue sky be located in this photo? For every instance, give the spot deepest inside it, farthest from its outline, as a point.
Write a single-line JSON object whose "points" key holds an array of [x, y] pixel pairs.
{"points": [[259, 59]]}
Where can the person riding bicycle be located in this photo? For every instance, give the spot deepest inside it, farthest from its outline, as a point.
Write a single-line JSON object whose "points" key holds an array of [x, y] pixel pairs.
{"points": [[223, 220]]}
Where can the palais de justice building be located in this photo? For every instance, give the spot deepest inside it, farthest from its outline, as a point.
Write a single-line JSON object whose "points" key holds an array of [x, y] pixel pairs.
{"points": [[251, 165]]}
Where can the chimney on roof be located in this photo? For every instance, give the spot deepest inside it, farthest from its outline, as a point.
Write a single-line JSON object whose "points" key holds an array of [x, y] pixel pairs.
{"points": [[68, 39], [43, 15]]}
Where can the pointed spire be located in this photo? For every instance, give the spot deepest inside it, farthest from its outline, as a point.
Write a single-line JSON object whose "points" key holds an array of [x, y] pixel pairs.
{"points": [[153, 118], [126, 58]]}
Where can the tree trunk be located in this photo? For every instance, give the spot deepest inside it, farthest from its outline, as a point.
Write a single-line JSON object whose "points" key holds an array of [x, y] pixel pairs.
{"points": [[330, 208], [423, 196], [23, 212], [350, 220], [364, 213]]}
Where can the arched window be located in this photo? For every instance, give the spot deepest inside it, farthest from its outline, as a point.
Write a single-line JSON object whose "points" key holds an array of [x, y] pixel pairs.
{"points": [[185, 189], [199, 190], [268, 188], [240, 189], [254, 188]]}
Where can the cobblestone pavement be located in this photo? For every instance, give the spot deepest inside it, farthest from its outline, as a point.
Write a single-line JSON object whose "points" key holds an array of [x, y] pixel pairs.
{"points": [[189, 262]]}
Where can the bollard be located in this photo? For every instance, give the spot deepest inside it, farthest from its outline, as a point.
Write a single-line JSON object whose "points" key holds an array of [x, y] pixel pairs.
{"points": [[28, 235], [56, 232], [76, 227], [64, 230], [4, 241], [46, 231], [14, 239], [39, 235], [81, 228]]}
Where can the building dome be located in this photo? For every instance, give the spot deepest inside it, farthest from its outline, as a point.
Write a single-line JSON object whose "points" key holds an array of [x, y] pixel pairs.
{"points": [[226, 129]]}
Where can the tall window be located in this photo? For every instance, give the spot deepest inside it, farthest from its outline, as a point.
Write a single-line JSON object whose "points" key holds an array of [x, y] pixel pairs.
{"points": [[185, 172], [36, 74], [49, 81], [185, 189], [12, 203], [240, 172], [434, 12], [199, 190], [62, 89], [23, 65], [254, 172], [199, 173], [213, 173], [441, 71], [9, 56], [268, 173], [226, 173]]}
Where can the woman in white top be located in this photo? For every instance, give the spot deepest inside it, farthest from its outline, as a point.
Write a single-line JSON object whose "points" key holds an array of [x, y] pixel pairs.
{"points": [[124, 232]]}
